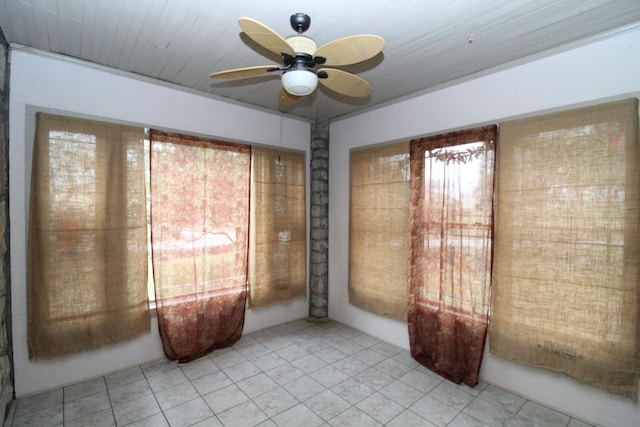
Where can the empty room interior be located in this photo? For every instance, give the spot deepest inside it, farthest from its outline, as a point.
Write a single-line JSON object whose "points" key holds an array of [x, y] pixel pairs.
{"points": [[329, 213]]}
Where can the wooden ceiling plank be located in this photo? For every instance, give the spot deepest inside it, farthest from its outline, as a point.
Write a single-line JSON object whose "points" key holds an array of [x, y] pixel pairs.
{"points": [[54, 35], [164, 29], [11, 22], [70, 24], [94, 29], [187, 35], [34, 25], [125, 25], [138, 38], [111, 20]]}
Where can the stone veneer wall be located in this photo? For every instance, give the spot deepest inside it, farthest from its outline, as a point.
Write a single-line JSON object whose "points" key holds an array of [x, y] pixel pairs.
{"points": [[319, 277], [6, 366]]}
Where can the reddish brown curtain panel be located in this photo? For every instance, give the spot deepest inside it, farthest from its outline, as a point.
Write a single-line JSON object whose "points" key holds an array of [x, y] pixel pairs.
{"points": [[451, 229], [199, 234], [87, 259]]}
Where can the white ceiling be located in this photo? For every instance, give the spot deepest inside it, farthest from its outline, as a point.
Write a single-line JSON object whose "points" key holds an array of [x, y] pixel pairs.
{"points": [[429, 43]]}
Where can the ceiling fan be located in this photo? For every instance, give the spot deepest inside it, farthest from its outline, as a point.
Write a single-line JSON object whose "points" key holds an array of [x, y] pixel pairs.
{"points": [[300, 56]]}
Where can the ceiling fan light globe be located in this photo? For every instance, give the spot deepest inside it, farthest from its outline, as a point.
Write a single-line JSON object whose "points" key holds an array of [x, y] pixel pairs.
{"points": [[299, 82]]}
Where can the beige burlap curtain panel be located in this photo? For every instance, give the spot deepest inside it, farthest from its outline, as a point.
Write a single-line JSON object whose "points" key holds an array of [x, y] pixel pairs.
{"points": [[565, 293], [379, 229], [278, 242], [199, 235], [451, 230], [87, 256]]}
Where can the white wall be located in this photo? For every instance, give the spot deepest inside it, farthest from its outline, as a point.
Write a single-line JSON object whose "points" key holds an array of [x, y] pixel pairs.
{"points": [[42, 82], [591, 73]]}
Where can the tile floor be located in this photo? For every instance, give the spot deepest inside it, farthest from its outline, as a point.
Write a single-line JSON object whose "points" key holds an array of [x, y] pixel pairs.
{"points": [[296, 374]]}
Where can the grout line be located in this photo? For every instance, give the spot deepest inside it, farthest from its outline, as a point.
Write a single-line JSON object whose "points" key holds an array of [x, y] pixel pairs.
{"points": [[113, 414]]}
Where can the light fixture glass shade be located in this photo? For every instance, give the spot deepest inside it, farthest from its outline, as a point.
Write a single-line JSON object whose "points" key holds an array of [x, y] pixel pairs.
{"points": [[299, 82]]}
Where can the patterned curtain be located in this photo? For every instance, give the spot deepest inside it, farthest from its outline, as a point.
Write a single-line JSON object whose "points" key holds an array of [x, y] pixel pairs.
{"points": [[87, 260], [199, 234], [451, 229]]}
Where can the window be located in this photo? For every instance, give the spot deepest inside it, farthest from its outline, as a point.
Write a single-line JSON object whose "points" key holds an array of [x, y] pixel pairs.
{"points": [[379, 229], [90, 229], [450, 258], [87, 236], [277, 247], [278, 243], [565, 279], [200, 223]]}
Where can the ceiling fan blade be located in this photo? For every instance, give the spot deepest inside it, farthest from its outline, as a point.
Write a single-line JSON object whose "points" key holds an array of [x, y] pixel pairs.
{"points": [[285, 99], [243, 72], [265, 36], [345, 83], [350, 50]]}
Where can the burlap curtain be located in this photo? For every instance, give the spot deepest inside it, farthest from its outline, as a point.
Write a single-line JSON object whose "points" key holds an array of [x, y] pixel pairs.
{"points": [[450, 257], [278, 242], [379, 229], [87, 256], [565, 294], [199, 235]]}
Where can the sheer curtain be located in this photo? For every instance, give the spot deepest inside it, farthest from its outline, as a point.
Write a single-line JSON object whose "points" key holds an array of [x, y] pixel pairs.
{"points": [[379, 229], [278, 242], [566, 294], [450, 253], [199, 233], [87, 256]]}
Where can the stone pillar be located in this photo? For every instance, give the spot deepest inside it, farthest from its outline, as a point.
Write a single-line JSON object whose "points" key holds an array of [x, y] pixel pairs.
{"points": [[319, 277], [6, 365]]}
